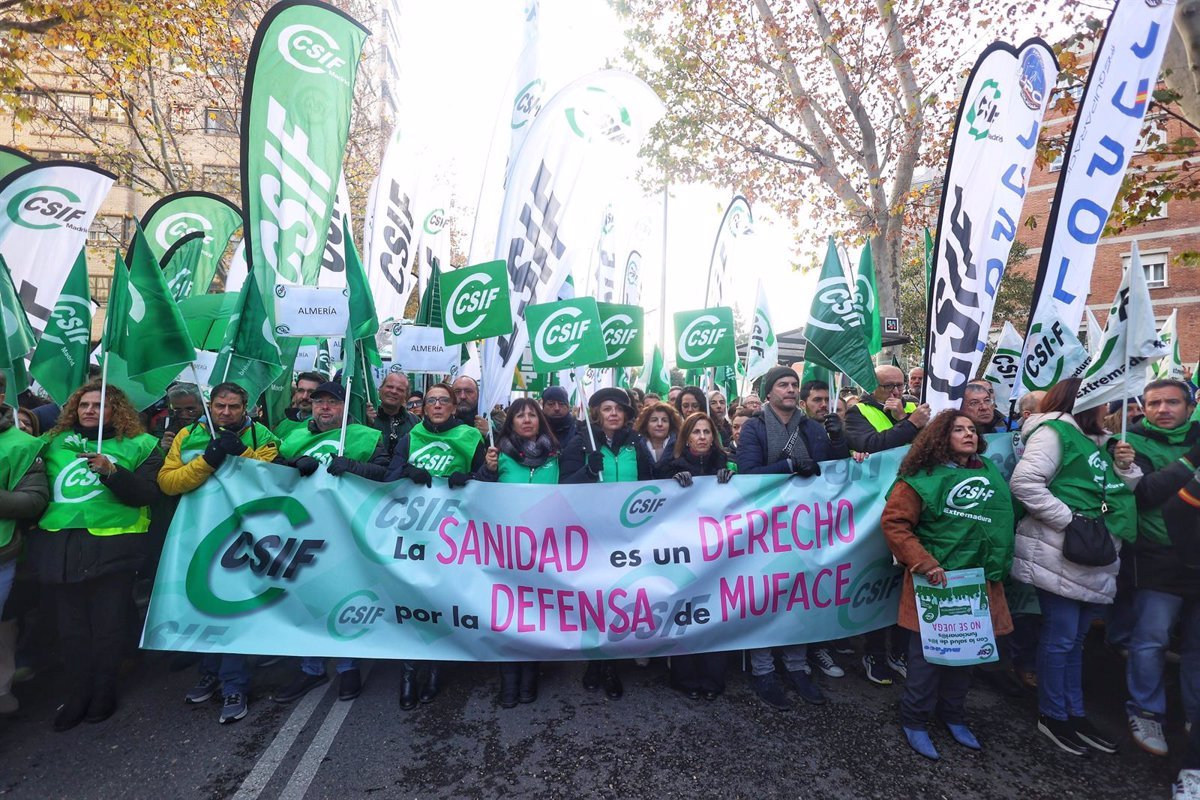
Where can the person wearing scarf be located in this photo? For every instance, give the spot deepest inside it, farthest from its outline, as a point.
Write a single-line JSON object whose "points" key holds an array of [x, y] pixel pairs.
{"points": [[526, 451], [698, 453], [659, 425], [619, 456], [929, 536], [91, 540], [441, 446]]}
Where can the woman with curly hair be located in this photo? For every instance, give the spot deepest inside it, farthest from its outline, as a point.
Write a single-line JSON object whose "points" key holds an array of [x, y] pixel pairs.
{"points": [[90, 541], [658, 425], [928, 531]]}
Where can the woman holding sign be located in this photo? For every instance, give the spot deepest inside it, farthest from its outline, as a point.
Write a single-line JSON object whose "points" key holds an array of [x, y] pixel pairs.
{"points": [[1065, 477], [525, 452], [618, 455], [441, 446], [948, 510], [91, 540], [699, 453]]}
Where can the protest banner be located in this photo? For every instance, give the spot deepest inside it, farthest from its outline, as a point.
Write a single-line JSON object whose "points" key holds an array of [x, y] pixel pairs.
{"points": [[956, 619], [262, 560]]}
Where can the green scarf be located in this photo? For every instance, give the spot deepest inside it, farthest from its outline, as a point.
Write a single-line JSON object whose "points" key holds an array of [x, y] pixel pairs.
{"points": [[1175, 436]]}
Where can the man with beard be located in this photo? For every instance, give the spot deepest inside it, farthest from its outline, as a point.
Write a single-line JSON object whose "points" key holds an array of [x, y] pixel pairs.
{"points": [[556, 405], [300, 408]]}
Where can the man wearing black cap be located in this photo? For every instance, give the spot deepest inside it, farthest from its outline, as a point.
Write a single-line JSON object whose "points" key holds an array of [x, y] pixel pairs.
{"points": [[779, 439], [307, 449], [556, 405]]}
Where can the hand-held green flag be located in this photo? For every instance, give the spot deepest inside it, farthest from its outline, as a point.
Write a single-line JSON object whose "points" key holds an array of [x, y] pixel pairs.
{"points": [[704, 338], [866, 301], [361, 352], [566, 333], [156, 336], [17, 334], [836, 336], [60, 362], [249, 355], [658, 378], [475, 302]]}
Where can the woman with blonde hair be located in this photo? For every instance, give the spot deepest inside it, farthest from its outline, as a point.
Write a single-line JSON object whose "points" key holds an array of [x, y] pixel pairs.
{"points": [[90, 541]]}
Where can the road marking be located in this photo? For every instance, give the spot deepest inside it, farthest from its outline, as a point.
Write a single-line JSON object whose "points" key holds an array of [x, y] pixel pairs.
{"points": [[310, 762], [273, 756]]}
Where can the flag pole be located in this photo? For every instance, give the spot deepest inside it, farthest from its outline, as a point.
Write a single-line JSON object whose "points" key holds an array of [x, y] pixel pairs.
{"points": [[479, 385], [212, 431], [345, 415], [103, 392], [587, 418]]}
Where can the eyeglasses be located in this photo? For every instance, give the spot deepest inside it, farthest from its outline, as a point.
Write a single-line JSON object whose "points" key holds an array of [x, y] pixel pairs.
{"points": [[891, 387], [438, 401], [415, 403]]}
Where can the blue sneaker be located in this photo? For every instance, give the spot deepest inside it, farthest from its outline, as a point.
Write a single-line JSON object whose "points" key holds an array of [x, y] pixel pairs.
{"points": [[918, 739], [962, 734], [233, 708]]}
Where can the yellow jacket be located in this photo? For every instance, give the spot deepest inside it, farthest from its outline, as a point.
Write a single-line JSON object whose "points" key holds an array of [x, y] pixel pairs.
{"points": [[177, 478]]}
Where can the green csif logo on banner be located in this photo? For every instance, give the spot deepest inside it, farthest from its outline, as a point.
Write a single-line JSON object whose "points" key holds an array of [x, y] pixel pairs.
{"points": [[475, 302], [622, 327], [704, 338], [565, 334], [45, 207]]}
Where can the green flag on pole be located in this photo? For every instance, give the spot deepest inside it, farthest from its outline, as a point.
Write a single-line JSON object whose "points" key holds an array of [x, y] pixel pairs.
{"points": [[249, 355], [18, 335], [658, 380], [359, 347], [60, 362], [836, 336], [928, 261], [866, 300], [180, 263]]}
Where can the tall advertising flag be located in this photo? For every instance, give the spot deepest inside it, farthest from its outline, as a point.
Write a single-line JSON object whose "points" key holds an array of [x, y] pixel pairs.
{"points": [[762, 352], [1002, 370], [866, 300], [1172, 365], [295, 123], [1130, 341], [995, 140], [1103, 140], [392, 220], [12, 159], [836, 337], [60, 362], [736, 226], [589, 131], [177, 215], [45, 210]]}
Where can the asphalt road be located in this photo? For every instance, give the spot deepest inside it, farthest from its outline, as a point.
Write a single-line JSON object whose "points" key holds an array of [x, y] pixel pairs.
{"points": [[572, 744]]}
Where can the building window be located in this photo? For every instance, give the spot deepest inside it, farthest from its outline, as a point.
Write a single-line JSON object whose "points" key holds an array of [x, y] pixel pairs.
{"points": [[107, 109], [75, 104], [222, 179], [1155, 266], [221, 121]]}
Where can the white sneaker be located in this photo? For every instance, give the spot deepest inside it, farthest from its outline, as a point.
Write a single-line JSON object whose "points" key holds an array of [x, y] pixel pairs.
{"points": [[1148, 734], [823, 660], [1187, 785]]}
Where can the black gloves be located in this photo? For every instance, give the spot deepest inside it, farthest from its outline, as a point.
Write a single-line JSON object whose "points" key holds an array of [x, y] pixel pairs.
{"points": [[231, 444], [457, 480], [1193, 455], [417, 475], [339, 465], [684, 478], [306, 465], [214, 454], [805, 467], [723, 475], [835, 428], [595, 462]]}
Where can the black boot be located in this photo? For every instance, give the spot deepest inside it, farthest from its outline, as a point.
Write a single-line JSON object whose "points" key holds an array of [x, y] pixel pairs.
{"points": [[104, 700], [529, 681], [613, 689], [72, 712], [510, 681], [408, 685], [591, 676], [431, 685]]}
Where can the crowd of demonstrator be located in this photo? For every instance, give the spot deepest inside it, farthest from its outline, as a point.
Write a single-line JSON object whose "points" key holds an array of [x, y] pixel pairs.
{"points": [[84, 508]]}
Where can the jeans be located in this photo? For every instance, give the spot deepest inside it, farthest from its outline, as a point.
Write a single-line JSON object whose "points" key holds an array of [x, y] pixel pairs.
{"points": [[932, 687], [1060, 654], [795, 658], [8, 572], [315, 665], [232, 670], [1155, 615]]}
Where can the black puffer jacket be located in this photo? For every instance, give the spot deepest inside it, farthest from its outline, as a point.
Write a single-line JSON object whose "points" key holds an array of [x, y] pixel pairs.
{"points": [[710, 464], [74, 555]]}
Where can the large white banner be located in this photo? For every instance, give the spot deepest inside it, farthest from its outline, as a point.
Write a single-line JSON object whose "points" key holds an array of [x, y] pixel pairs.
{"points": [[47, 207], [1103, 140], [995, 140], [587, 133], [736, 226]]}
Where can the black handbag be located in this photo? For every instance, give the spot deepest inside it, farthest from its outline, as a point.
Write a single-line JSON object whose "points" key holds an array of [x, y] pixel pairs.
{"points": [[1086, 540]]}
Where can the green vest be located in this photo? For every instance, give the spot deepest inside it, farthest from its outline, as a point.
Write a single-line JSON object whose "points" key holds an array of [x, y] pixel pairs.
{"points": [[443, 453], [512, 471], [285, 428], [1151, 525], [18, 451], [620, 466], [77, 497], [198, 438], [360, 443], [966, 518], [1085, 469], [880, 420]]}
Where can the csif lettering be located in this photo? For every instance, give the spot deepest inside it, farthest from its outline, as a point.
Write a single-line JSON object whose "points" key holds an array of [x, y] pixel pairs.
{"points": [[464, 300], [565, 332], [312, 50], [46, 207]]}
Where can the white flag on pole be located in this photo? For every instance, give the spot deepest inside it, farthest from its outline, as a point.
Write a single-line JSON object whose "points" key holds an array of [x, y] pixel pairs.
{"points": [[763, 352], [1172, 365], [1002, 370]]}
